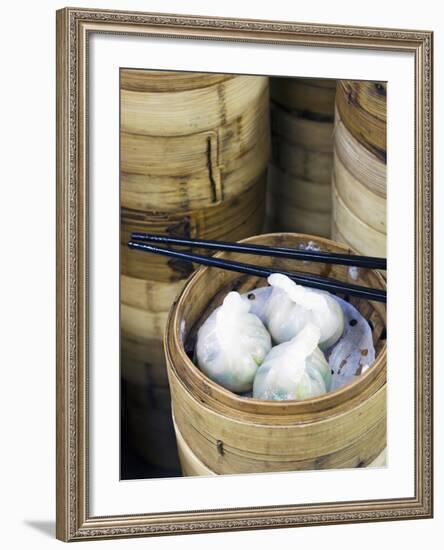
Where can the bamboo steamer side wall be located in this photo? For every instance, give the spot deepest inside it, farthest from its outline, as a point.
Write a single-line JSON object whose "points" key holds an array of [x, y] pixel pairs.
{"points": [[192, 466], [194, 156], [302, 144], [360, 172]]}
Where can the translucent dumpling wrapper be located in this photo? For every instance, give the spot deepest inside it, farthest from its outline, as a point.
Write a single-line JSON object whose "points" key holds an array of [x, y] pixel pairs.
{"points": [[231, 344], [294, 370], [291, 307]]}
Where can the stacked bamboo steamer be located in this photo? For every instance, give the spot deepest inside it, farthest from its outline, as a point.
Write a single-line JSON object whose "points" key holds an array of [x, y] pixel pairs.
{"points": [[194, 155], [299, 193], [359, 176], [220, 432]]}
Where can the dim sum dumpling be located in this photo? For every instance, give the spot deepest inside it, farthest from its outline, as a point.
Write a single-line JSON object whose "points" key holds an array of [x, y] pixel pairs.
{"points": [[294, 370], [231, 344], [291, 306]]}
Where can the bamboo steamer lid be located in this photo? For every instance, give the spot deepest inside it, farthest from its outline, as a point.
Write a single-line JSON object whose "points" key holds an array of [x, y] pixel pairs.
{"points": [[233, 219], [362, 164], [304, 94], [183, 112], [361, 236], [362, 108], [233, 434]]}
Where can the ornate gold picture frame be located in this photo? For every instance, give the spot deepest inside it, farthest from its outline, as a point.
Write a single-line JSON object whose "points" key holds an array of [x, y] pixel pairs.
{"points": [[74, 519]]}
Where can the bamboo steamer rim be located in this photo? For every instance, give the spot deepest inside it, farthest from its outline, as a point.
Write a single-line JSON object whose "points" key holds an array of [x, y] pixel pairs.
{"points": [[207, 388], [152, 80], [366, 96]]}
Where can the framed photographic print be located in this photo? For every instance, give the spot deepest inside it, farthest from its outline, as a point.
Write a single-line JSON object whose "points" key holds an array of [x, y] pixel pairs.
{"points": [[244, 274]]}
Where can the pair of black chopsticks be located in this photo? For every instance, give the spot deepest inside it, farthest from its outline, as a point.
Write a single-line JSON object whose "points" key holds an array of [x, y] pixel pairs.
{"points": [[140, 241]]}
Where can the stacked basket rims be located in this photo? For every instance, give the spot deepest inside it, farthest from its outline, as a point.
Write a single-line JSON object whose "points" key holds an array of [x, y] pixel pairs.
{"points": [[194, 155], [359, 176], [302, 113]]}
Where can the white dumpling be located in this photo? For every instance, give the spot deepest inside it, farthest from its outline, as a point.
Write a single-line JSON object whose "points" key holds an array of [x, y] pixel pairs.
{"points": [[231, 344], [294, 370], [291, 306]]}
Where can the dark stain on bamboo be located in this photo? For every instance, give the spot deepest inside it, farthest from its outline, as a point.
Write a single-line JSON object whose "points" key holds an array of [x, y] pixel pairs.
{"points": [[210, 171]]}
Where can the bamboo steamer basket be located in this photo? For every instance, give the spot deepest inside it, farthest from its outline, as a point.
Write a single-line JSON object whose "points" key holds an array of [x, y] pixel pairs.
{"points": [[298, 130], [299, 205], [371, 208], [191, 171], [301, 193], [362, 237], [299, 190], [192, 466], [143, 314], [302, 163], [360, 173], [304, 94], [233, 434], [363, 165], [362, 108], [172, 112], [232, 219]]}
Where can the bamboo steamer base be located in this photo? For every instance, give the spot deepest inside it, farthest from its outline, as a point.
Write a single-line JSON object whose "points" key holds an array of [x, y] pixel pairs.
{"points": [[192, 466], [233, 434]]}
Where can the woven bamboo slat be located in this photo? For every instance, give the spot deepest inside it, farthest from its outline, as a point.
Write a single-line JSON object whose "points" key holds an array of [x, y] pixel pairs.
{"points": [[233, 434]]}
